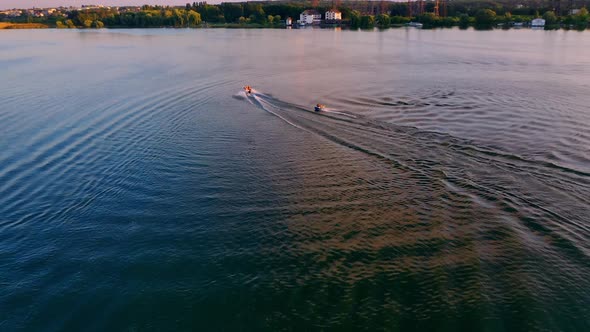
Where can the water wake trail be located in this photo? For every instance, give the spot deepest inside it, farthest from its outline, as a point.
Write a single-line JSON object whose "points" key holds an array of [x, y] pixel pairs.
{"points": [[328, 110], [519, 187], [257, 101]]}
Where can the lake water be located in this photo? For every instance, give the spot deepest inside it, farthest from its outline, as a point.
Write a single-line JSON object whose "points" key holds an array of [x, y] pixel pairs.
{"points": [[446, 187]]}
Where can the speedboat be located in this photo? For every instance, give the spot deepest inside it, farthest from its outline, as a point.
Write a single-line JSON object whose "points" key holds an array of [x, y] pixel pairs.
{"points": [[319, 107]]}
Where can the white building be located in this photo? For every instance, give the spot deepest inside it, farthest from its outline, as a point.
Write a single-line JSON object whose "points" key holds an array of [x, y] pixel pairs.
{"points": [[310, 16], [538, 22], [12, 13], [574, 11], [333, 15]]}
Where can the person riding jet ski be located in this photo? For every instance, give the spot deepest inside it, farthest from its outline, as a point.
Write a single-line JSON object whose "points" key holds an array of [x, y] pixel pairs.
{"points": [[319, 107]]}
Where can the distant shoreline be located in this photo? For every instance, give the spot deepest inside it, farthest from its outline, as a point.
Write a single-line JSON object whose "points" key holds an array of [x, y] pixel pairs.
{"points": [[10, 26], [32, 26], [427, 14]]}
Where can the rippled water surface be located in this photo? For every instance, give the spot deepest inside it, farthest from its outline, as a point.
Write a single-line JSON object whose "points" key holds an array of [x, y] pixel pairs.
{"points": [[446, 186]]}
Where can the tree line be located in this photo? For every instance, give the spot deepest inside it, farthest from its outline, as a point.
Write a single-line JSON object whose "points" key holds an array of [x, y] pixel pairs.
{"points": [[145, 18], [356, 14]]}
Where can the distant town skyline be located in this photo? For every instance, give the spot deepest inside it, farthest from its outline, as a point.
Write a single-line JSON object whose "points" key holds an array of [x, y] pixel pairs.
{"points": [[22, 4], [9, 4]]}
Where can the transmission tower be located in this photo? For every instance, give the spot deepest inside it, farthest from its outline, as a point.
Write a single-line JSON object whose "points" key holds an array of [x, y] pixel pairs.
{"points": [[557, 7], [383, 7], [436, 8], [418, 7]]}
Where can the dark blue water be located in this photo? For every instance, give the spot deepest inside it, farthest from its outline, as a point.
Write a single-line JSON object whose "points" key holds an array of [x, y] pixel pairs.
{"points": [[446, 187]]}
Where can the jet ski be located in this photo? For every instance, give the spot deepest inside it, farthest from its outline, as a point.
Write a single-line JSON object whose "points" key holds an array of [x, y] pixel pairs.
{"points": [[319, 107], [248, 89]]}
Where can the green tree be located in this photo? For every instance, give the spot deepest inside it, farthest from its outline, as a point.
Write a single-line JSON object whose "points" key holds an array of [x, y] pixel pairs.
{"points": [[485, 17], [355, 19], [428, 19], [383, 21], [70, 24], [277, 19], [193, 18], [255, 12], [232, 12], [367, 21], [583, 12], [270, 19], [399, 19], [87, 23], [583, 17], [97, 24], [60, 25], [178, 18], [550, 17]]}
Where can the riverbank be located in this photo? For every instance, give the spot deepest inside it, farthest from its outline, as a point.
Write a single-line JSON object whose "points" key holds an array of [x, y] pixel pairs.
{"points": [[254, 15], [8, 25], [22, 26]]}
